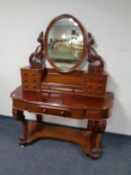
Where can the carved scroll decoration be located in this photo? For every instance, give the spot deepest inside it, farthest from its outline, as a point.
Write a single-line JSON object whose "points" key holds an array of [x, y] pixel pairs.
{"points": [[36, 59], [96, 62]]}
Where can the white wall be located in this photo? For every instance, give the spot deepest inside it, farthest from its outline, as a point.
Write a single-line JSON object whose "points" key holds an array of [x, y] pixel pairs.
{"points": [[109, 21]]}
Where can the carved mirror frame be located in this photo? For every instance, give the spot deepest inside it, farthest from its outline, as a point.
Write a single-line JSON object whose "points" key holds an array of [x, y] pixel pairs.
{"points": [[83, 32], [95, 61]]}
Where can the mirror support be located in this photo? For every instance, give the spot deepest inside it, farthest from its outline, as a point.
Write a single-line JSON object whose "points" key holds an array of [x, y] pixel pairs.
{"points": [[36, 59], [93, 56]]}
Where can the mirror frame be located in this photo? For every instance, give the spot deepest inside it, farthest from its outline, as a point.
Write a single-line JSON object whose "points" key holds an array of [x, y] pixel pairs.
{"points": [[84, 50]]}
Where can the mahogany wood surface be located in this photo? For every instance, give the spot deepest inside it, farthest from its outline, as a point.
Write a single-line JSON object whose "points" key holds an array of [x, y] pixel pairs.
{"points": [[90, 107], [77, 94], [38, 131], [95, 109]]}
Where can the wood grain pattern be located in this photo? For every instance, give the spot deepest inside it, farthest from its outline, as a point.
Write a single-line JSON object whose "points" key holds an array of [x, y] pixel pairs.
{"points": [[74, 94], [38, 131], [95, 109]]}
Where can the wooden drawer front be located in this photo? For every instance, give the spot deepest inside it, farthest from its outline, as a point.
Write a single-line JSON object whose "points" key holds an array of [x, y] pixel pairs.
{"points": [[49, 110], [19, 104], [31, 86], [78, 114], [31, 79], [101, 79], [31, 75], [95, 90], [95, 85], [97, 114], [64, 89]]}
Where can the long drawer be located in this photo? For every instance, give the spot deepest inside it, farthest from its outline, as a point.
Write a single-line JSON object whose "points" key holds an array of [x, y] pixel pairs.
{"points": [[61, 111], [58, 111], [49, 110]]}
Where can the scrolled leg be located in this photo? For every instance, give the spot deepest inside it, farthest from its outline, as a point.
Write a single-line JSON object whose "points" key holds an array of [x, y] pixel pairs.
{"points": [[39, 118], [97, 128], [18, 115]]}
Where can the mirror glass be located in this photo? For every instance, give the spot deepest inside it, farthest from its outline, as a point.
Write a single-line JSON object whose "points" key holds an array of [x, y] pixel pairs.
{"points": [[65, 43]]}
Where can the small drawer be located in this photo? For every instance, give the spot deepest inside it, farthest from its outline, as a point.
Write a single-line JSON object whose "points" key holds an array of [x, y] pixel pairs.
{"points": [[78, 113], [96, 114], [19, 104], [49, 110], [31, 81], [25, 74]]}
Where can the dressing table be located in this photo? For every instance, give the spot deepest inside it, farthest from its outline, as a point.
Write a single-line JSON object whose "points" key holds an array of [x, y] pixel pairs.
{"points": [[74, 87]]}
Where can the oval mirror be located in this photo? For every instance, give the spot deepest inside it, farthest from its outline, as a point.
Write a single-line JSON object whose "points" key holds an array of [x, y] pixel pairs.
{"points": [[65, 43]]}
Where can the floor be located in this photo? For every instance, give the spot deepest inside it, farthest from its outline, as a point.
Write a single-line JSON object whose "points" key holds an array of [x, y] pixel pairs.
{"points": [[52, 157]]}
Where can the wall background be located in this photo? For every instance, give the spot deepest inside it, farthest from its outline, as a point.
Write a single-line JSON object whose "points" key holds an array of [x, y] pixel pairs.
{"points": [[110, 22]]}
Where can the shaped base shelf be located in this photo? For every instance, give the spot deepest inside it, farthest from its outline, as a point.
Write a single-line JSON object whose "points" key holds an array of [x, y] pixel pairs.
{"points": [[36, 131]]}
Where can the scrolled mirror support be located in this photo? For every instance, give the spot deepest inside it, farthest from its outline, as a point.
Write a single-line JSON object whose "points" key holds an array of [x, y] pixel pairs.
{"points": [[96, 62], [36, 59]]}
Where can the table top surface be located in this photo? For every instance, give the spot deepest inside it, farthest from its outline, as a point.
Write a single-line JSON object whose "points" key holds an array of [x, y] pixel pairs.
{"points": [[61, 100]]}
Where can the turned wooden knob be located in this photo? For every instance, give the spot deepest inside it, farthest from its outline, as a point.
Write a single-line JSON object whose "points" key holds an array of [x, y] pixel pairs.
{"points": [[62, 112], [44, 110]]}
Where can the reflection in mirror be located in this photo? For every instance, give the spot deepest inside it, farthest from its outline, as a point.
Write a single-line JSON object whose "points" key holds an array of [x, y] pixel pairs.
{"points": [[65, 43]]}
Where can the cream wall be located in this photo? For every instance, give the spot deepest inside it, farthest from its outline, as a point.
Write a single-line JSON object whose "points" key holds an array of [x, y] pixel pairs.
{"points": [[109, 21]]}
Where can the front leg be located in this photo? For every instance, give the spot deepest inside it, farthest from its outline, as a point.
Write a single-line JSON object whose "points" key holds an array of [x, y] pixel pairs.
{"points": [[39, 118], [18, 115], [97, 128]]}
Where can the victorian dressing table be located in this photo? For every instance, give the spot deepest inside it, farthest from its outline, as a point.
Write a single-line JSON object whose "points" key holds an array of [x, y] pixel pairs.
{"points": [[66, 89]]}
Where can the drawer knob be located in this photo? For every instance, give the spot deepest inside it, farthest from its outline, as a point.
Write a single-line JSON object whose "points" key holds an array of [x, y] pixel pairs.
{"points": [[99, 92], [90, 78], [100, 80], [89, 91], [62, 112], [44, 110], [25, 74]]}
